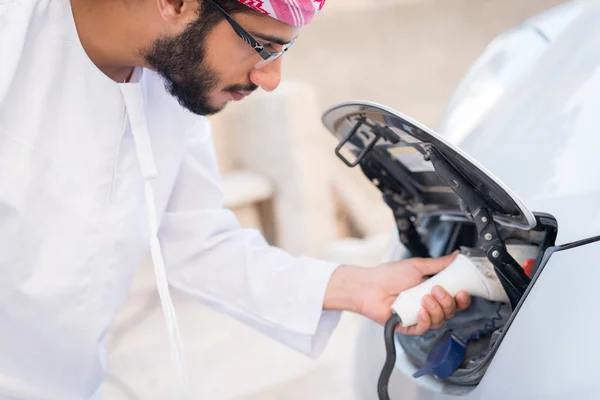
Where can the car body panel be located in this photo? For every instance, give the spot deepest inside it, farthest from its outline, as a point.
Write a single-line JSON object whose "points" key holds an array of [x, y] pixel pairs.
{"points": [[550, 351], [551, 23], [536, 129], [505, 61], [541, 137]]}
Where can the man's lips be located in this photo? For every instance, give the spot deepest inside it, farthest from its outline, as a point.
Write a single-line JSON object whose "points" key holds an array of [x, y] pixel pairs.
{"points": [[237, 96]]}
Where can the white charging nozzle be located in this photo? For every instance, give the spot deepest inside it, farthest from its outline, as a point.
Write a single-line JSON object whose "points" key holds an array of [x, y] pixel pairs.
{"points": [[475, 276]]}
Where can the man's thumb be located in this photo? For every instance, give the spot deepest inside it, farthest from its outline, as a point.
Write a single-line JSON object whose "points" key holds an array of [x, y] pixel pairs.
{"points": [[431, 266]]}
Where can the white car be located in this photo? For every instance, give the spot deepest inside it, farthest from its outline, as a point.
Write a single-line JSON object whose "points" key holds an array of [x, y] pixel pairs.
{"points": [[512, 177]]}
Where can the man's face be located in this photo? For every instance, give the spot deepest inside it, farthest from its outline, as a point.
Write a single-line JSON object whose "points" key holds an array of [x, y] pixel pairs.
{"points": [[206, 68]]}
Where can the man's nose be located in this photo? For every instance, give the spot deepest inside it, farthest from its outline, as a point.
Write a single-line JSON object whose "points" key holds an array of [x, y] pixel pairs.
{"points": [[267, 77]]}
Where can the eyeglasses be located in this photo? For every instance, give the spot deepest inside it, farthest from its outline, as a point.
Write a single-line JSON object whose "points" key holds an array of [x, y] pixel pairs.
{"points": [[267, 56]]}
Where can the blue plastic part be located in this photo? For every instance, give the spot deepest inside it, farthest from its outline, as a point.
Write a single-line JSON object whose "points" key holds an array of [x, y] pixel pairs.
{"points": [[446, 355]]}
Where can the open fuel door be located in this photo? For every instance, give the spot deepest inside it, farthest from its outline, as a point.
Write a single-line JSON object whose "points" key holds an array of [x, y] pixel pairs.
{"points": [[418, 172]]}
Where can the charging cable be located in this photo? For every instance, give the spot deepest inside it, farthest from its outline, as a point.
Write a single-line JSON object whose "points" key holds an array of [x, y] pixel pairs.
{"points": [[444, 358], [390, 359], [446, 355]]}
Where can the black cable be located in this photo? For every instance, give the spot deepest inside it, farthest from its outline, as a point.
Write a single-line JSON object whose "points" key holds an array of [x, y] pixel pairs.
{"points": [[390, 359]]}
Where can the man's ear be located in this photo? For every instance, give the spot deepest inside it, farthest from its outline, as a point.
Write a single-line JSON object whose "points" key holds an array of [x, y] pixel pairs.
{"points": [[177, 11]]}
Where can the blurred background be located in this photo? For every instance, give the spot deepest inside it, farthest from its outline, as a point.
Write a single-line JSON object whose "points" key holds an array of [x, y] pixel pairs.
{"points": [[280, 175]]}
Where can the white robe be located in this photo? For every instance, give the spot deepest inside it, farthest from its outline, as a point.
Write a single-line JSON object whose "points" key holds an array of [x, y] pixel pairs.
{"points": [[81, 158]]}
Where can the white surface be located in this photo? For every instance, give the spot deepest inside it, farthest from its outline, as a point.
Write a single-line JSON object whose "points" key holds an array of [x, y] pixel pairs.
{"points": [[243, 187]]}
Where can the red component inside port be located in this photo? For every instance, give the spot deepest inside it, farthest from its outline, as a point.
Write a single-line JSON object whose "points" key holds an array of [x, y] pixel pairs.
{"points": [[528, 266]]}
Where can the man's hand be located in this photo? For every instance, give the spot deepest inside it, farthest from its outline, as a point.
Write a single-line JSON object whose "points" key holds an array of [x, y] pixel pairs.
{"points": [[372, 291]]}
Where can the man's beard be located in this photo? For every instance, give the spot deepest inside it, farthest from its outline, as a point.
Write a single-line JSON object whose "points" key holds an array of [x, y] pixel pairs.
{"points": [[180, 60]]}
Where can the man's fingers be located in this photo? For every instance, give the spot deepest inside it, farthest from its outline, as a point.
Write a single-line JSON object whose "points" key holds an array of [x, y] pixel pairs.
{"points": [[463, 301], [435, 311], [431, 266], [447, 302], [438, 307], [422, 326]]}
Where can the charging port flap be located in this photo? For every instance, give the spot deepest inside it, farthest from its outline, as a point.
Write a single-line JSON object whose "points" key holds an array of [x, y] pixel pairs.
{"points": [[378, 137]]}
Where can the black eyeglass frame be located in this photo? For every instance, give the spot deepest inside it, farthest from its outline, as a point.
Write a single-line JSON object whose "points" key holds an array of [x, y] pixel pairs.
{"points": [[266, 55]]}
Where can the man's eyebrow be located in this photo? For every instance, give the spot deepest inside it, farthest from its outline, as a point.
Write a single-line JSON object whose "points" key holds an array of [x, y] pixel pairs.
{"points": [[269, 38]]}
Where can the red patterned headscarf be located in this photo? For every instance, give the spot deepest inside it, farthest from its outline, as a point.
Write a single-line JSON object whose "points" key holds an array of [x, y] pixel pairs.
{"points": [[292, 12]]}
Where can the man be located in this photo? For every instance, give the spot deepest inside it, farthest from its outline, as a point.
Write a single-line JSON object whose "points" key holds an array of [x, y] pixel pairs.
{"points": [[106, 153]]}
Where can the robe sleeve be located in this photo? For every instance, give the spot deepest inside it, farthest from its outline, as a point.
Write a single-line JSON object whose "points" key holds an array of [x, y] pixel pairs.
{"points": [[14, 23], [234, 270]]}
